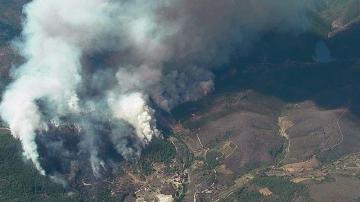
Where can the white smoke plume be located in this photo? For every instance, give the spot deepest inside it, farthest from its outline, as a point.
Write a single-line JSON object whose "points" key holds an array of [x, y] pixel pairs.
{"points": [[93, 60], [57, 35], [133, 109]]}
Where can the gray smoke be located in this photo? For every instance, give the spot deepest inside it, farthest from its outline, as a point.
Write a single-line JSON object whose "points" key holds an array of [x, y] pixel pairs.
{"points": [[101, 61]]}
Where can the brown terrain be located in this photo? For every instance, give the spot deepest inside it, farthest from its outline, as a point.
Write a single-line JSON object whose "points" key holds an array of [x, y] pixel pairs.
{"points": [[244, 128], [241, 127]]}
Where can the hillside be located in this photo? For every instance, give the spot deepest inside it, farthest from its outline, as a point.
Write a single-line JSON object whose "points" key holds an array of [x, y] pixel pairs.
{"points": [[280, 125]]}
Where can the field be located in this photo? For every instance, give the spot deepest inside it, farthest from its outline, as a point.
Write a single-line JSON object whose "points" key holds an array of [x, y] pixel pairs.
{"points": [[278, 189], [340, 189]]}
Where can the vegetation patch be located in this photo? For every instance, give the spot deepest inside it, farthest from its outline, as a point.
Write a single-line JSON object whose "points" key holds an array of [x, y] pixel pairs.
{"points": [[20, 181], [184, 155], [282, 190], [213, 158], [157, 151], [278, 153]]}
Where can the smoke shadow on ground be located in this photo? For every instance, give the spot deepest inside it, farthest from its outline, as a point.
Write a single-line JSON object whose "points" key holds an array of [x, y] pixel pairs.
{"points": [[283, 66], [330, 85]]}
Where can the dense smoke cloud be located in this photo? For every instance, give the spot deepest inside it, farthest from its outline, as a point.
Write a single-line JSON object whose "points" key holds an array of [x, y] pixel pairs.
{"points": [[100, 62]]}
